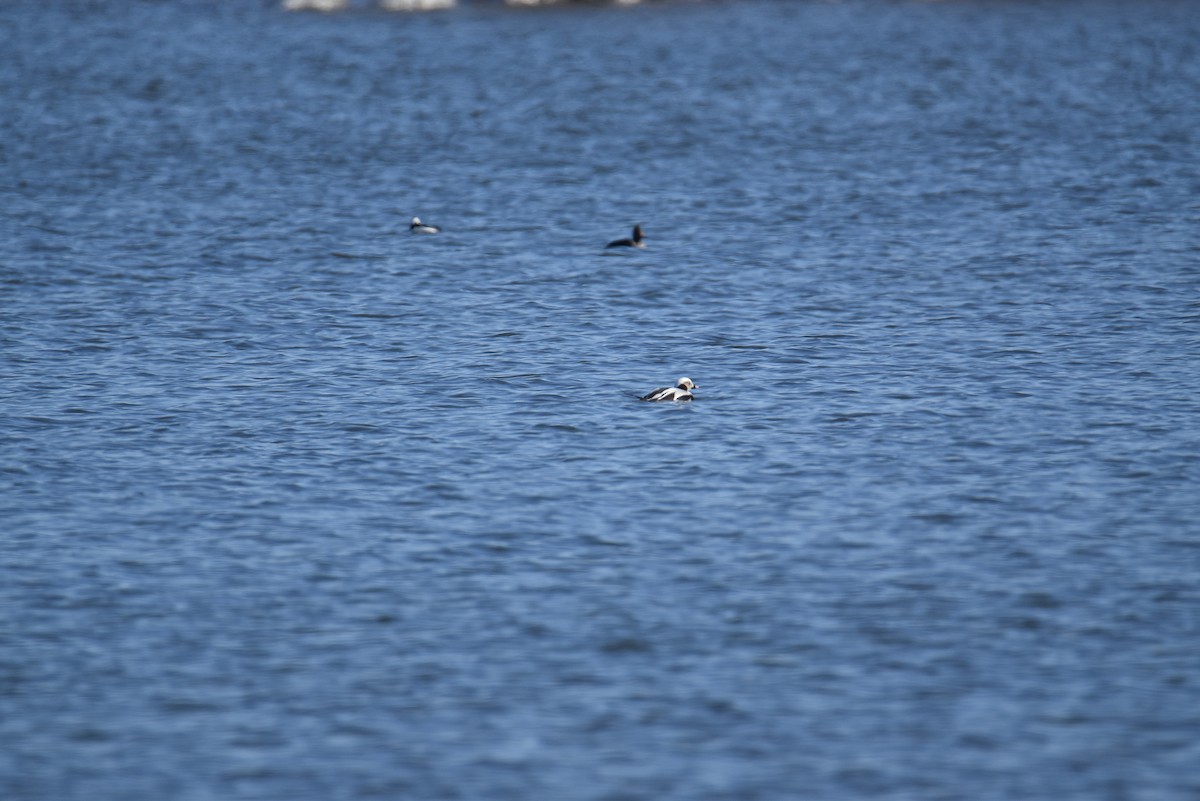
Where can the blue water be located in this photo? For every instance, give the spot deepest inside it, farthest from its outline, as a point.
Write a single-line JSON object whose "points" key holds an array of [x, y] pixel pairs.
{"points": [[296, 505]]}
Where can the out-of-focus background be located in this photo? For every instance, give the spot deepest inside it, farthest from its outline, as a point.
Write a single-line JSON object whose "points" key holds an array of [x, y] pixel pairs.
{"points": [[297, 505]]}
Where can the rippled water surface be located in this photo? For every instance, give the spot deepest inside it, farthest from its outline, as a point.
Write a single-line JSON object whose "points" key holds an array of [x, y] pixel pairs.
{"points": [[299, 506]]}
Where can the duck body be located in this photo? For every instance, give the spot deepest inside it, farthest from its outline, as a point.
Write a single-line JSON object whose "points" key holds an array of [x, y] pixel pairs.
{"points": [[636, 241], [418, 227], [682, 391]]}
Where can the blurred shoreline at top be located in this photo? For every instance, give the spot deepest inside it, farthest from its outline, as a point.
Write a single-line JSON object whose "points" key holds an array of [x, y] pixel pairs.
{"points": [[330, 6]]}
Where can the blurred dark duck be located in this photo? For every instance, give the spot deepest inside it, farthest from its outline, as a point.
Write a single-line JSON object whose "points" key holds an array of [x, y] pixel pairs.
{"points": [[634, 242]]}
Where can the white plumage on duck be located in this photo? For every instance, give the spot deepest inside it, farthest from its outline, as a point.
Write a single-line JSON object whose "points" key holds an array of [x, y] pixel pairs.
{"points": [[682, 391]]}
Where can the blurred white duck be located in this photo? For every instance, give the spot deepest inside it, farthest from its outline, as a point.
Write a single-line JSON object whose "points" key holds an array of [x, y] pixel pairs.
{"points": [[418, 227]]}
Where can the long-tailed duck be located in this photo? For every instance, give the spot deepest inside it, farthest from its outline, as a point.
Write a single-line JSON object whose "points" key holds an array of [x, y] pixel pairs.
{"points": [[634, 242], [419, 227], [682, 391]]}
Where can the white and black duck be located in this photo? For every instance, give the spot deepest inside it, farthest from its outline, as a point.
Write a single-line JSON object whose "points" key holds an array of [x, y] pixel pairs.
{"points": [[418, 227], [682, 391]]}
